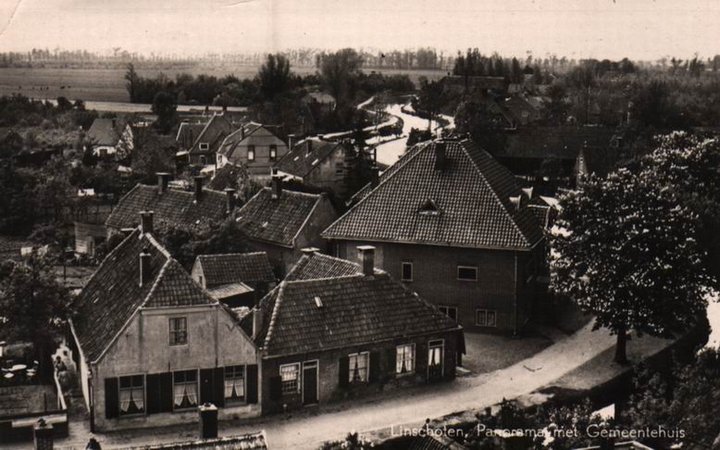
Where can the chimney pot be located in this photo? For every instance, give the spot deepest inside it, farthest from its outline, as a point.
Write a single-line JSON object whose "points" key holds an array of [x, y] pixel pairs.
{"points": [[230, 194], [440, 156], [144, 267], [43, 435], [367, 259], [277, 188], [374, 176], [291, 141], [257, 322], [163, 181], [308, 146], [198, 187], [146, 221]]}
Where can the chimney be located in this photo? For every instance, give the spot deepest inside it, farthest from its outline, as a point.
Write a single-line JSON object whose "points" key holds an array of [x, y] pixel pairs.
{"points": [[144, 267], [309, 251], [257, 322], [374, 176], [308, 146], [163, 180], [198, 187], [208, 421], [146, 221], [367, 259], [440, 156], [291, 141], [230, 197], [277, 188], [43, 435]]}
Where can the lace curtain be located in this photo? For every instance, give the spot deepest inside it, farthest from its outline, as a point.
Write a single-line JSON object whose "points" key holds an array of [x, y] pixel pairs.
{"points": [[185, 395]]}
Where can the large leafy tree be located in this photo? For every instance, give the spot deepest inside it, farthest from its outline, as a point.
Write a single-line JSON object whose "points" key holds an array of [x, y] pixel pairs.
{"points": [[164, 105], [274, 76], [625, 249], [340, 71], [33, 306]]}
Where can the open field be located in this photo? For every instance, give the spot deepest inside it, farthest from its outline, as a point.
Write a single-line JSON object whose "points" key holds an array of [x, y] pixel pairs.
{"points": [[109, 84]]}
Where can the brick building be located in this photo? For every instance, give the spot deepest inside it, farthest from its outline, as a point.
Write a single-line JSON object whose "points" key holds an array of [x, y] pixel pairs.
{"points": [[318, 163], [281, 222], [335, 330], [151, 344], [453, 225], [203, 145], [253, 146], [236, 279]]}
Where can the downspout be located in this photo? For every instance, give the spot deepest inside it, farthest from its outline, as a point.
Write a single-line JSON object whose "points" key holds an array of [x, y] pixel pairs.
{"points": [[515, 332], [91, 394]]}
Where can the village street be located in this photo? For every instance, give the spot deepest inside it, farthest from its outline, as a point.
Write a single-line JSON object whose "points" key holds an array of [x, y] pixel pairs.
{"points": [[308, 429]]}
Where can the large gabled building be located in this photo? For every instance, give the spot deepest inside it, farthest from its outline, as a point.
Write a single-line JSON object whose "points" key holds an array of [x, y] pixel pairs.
{"points": [[334, 329], [454, 225], [253, 146], [151, 344], [320, 164], [236, 279]]}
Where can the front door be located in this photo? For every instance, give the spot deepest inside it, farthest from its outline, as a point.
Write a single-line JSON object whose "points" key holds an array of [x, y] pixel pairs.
{"points": [[310, 382], [435, 361]]}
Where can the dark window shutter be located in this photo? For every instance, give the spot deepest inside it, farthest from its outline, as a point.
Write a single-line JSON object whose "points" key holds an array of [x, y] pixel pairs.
{"points": [[421, 358], [391, 360], [112, 406], [152, 392], [251, 396], [206, 387], [344, 371], [275, 388], [219, 386], [165, 393], [374, 374]]}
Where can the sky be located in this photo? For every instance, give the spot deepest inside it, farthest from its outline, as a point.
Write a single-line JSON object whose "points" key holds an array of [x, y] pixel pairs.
{"points": [[639, 29]]}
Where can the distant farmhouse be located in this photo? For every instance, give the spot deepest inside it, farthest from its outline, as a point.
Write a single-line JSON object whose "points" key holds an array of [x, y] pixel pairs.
{"points": [[255, 147], [281, 222], [453, 225], [183, 209], [151, 344], [110, 137], [334, 329], [319, 163]]}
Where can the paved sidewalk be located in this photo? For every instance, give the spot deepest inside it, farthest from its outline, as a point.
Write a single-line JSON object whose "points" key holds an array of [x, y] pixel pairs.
{"points": [[309, 428]]}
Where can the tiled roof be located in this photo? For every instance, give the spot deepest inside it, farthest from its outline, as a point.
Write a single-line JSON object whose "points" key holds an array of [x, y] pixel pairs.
{"points": [[188, 132], [311, 315], [465, 205], [276, 221], [318, 265], [106, 132], [249, 268], [229, 290], [300, 162], [217, 128], [114, 293], [254, 134], [171, 207]]}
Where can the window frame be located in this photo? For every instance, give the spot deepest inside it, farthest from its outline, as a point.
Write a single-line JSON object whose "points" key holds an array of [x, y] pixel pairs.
{"points": [[172, 333], [188, 383], [413, 360], [120, 389], [204, 146], [464, 267], [272, 154], [366, 356], [486, 314], [403, 265], [296, 390], [447, 309], [243, 398], [251, 151]]}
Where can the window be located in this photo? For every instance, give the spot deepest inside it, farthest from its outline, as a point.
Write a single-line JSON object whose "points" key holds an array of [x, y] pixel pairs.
{"points": [[132, 395], [178, 331], [204, 146], [185, 389], [251, 153], [359, 363], [485, 318], [203, 160], [450, 311], [405, 359], [235, 383], [407, 271], [289, 375], [467, 273], [273, 152]]}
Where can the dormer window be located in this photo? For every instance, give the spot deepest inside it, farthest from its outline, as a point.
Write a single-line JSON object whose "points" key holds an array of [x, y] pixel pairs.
{"points": [[429, 208], [204, 146]]}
